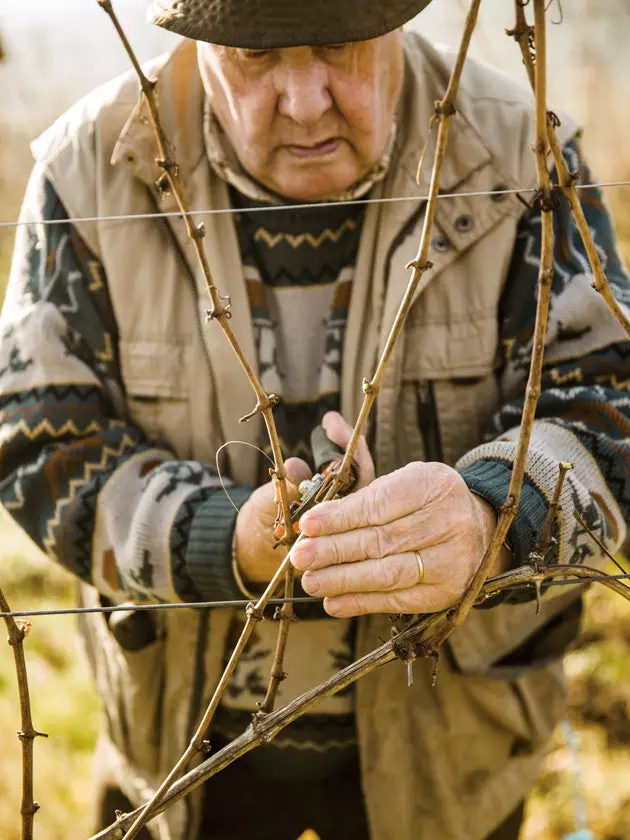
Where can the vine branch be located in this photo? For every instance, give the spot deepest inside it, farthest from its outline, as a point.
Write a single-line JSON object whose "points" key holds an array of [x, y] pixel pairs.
{"points": [[523, 34], [17, 632], [532, 392], [264, 729], [220, 311], [444, 112], [268, 723]]}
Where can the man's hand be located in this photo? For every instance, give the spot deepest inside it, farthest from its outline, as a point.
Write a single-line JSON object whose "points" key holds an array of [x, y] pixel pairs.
{"points": [[256, 558], [359, 551], [254, 539]]}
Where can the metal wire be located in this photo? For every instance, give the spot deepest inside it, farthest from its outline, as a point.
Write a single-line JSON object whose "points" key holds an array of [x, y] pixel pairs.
{"points": [[184, 605], [211, 605], [272, 207]]}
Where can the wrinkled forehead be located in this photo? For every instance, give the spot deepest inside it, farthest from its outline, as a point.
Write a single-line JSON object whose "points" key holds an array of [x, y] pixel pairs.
{"points": [[252, 24]]}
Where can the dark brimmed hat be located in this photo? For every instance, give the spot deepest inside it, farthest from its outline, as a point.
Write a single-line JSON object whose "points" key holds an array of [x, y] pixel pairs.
{"points": [[267, 24]]}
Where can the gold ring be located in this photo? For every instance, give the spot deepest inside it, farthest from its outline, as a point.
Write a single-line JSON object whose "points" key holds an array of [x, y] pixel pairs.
{"points": [[420, 567]]}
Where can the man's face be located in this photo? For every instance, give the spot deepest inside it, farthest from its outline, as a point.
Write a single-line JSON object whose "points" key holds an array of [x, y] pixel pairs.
{"points": [[306, 122]]}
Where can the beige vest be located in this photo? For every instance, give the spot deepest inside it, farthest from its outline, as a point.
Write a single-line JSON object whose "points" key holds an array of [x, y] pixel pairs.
{"points": [[448, 762]]}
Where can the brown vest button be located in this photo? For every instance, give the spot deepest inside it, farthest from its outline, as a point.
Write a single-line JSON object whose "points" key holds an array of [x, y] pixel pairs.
{"points": [[464, 223], [440, 244]]}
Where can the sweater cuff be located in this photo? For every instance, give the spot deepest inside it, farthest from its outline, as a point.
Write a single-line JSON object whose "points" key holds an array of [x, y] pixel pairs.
{"points": [[491, 480], [209, 551]]}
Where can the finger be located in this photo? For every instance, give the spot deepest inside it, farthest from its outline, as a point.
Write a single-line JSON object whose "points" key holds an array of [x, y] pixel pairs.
{"points": [[418, 599], [297, 470], [387, 574], [371, 543], [340, 433], [265, 497], [387, 498]]}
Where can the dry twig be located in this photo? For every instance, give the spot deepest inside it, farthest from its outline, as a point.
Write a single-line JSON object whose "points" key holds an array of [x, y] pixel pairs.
{"points": [[532, 391], [18, 630], [266, 726], [264, 729], [220, 310], [444, 111], [544, 541], [285, 615], [522, 33]]}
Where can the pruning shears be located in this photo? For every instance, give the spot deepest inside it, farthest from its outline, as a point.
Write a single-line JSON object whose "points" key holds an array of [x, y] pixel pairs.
{"points": [[327, 457]]}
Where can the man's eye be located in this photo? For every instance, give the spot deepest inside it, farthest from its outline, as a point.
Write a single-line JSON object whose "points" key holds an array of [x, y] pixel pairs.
{"points": [[255, 54]]}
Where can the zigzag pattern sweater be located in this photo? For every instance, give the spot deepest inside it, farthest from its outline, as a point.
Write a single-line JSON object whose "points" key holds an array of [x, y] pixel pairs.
{"points": [[65, 437]]}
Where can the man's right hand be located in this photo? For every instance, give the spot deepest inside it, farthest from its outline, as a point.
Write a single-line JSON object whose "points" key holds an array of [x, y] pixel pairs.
{"points": [[255, 557], [254, 540]]}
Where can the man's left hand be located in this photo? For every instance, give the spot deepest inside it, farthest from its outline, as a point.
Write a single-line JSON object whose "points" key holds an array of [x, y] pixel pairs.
{"points": [[359, 552]]}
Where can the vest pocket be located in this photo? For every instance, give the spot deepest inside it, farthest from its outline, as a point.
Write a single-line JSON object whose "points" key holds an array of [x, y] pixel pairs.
{"points": [[156, 378], [136, 681], [440, 419], [418, 433], [164, 420], [428, 421]]}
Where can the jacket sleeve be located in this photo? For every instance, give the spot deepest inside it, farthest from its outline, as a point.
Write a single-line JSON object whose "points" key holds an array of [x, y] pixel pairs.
{"points": [[583, 414], [114, 507]]}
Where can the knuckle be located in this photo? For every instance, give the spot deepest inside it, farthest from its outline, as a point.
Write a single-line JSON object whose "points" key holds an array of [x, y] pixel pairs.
{"points": [[374, 542], [333, 552], [394, 574], [416, 469], [375, 504], [346, 581], [400, 602], [356, 604]]}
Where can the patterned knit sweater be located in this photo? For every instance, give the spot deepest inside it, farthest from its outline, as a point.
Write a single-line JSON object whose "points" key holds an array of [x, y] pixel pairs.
{"points": [[61, 442]]}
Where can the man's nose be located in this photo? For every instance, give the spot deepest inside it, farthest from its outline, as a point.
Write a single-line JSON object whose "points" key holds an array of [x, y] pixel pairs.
{"points": [[304, 94]]}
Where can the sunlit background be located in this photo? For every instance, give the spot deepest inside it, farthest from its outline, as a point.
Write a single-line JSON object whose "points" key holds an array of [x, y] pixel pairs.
{"points": [[53, 52]]}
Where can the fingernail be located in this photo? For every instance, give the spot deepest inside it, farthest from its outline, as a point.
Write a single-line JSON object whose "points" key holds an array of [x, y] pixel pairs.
{"points": [[309, 525], [310, 585], [331, 606], [301, 556]]}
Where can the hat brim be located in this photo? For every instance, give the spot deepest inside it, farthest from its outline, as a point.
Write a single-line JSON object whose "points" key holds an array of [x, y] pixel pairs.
{"points": [[255, 25]]}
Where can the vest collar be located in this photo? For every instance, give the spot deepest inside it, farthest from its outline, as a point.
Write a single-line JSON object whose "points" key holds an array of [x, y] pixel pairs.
{"points": [[179, 93]]}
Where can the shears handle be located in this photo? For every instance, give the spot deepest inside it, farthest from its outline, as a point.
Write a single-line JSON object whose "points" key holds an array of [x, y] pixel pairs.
{"points": [[326, 456]]}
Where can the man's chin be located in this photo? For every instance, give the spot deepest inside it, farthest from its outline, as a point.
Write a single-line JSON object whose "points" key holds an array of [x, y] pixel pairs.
{"points": [[315, 186]]}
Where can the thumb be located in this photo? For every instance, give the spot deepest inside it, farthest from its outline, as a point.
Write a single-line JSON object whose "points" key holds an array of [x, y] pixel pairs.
{"points": [[297, 470], [340, 432]]}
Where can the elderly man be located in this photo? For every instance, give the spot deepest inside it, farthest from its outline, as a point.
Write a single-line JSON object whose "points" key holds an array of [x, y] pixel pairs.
{"points": [[116, 396]]}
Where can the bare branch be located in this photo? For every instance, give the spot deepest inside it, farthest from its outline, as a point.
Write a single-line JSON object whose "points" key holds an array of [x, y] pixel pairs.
{"points": [[264, 405], [545, 535], [600, 281], [522, 32], [444, 111], [27, 734], [597, 540], [532, 391], [285, 615], [266, 727]]}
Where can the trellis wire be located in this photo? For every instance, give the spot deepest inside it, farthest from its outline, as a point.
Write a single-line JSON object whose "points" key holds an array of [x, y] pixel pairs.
{"points": [[272, 207], [211, 605]]}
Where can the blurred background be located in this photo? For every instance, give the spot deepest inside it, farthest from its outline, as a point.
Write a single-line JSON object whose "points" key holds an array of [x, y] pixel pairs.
{"points": [[54, 51]]}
